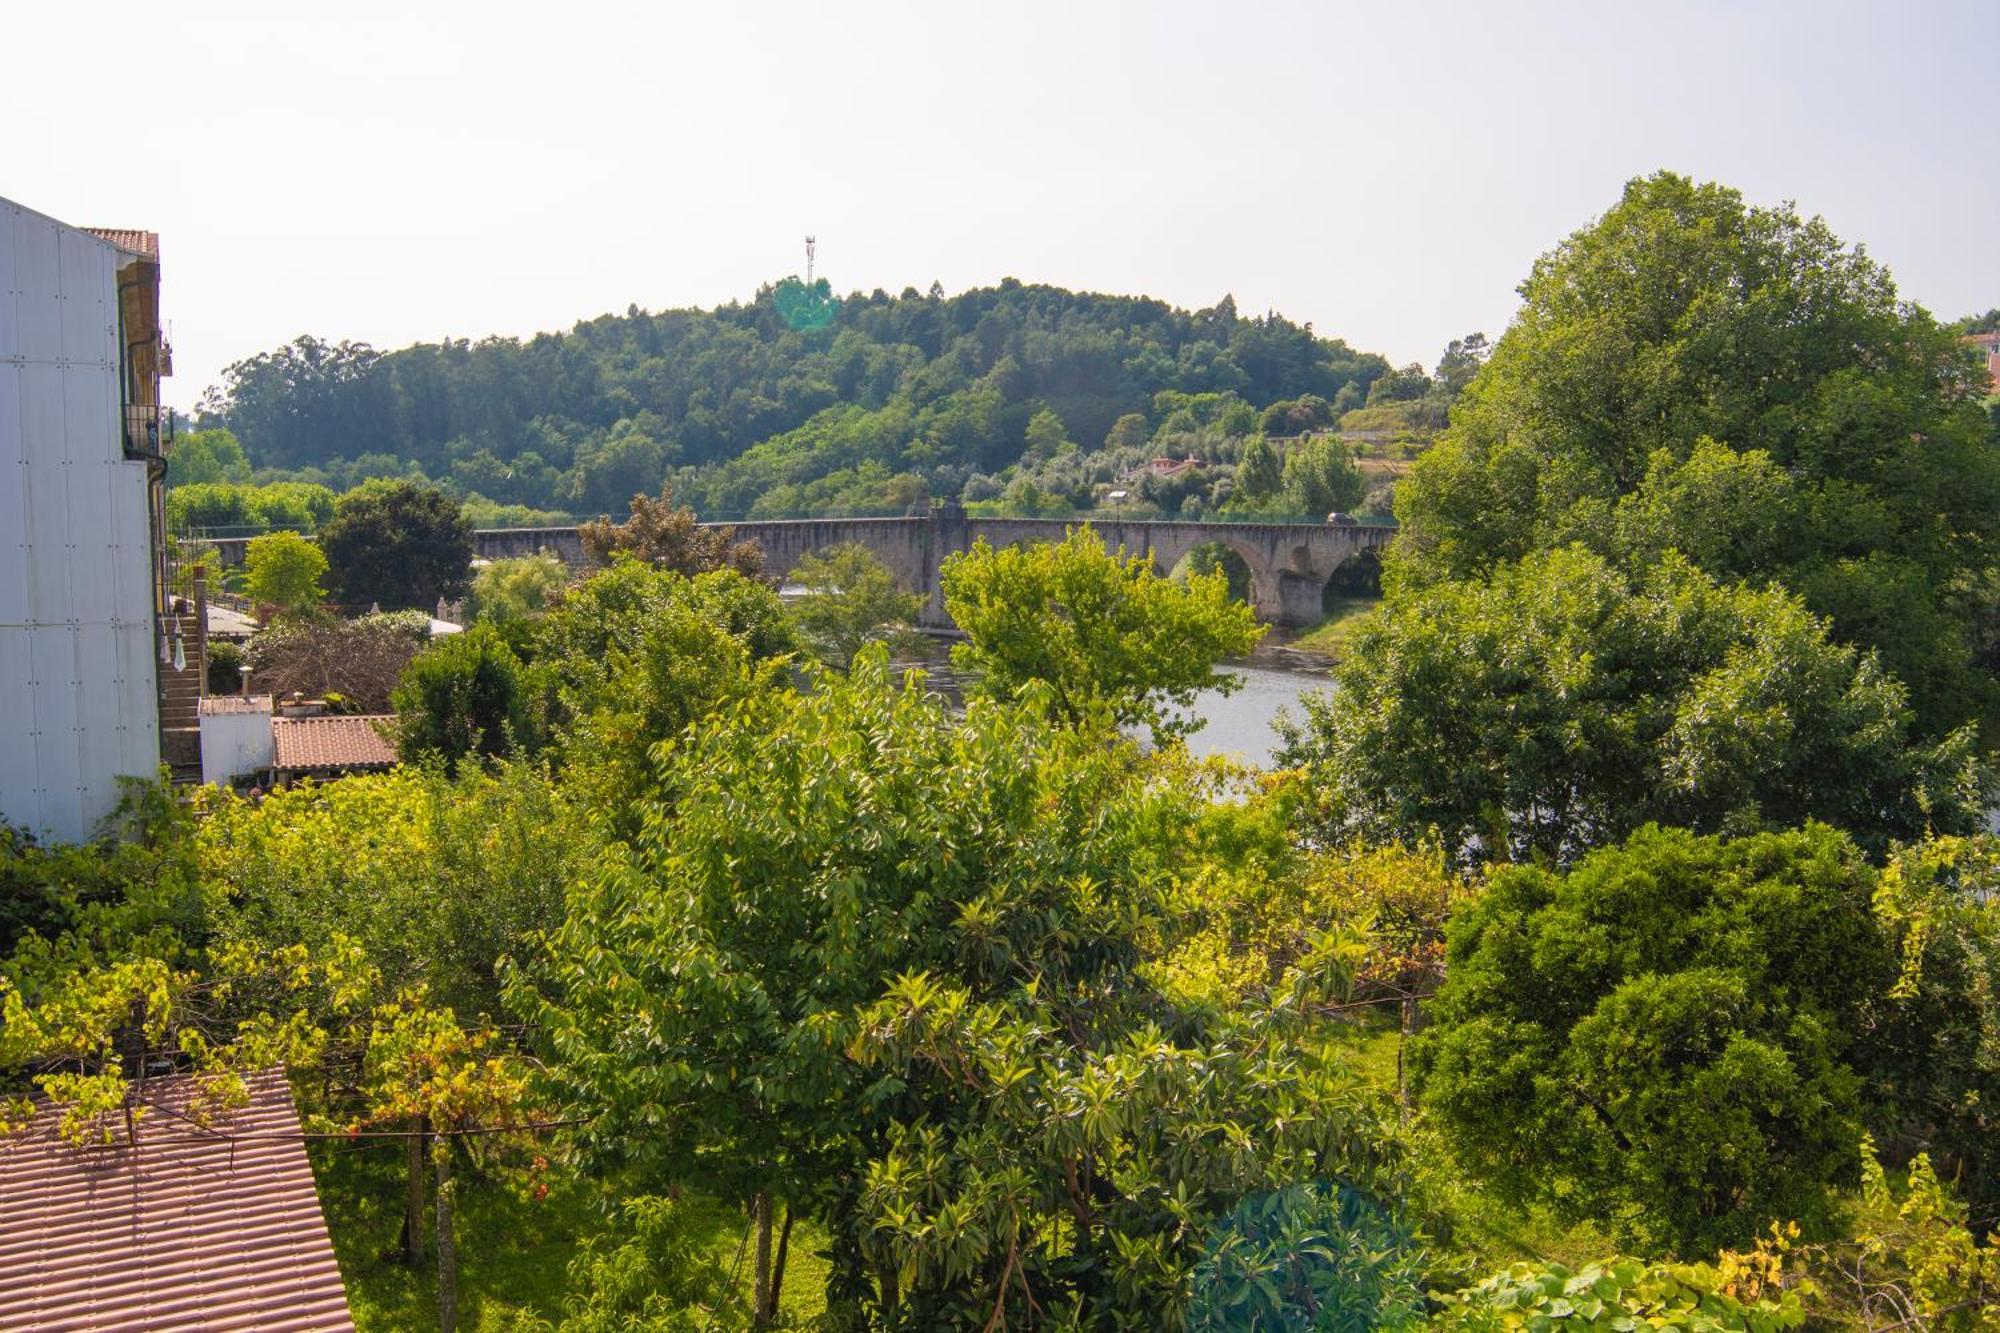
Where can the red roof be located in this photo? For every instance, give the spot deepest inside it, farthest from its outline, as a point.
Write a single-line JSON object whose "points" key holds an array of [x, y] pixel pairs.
{"points": [[333, 742], [191, 1227], [145, 244]]}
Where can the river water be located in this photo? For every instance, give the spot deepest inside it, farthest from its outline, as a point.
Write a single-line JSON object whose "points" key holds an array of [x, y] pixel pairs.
{"points": [[1239, 725]]}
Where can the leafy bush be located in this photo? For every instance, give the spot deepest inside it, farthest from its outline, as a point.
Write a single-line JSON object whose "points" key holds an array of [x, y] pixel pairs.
{"points": [[1614, 1296], [1660, 1039]]}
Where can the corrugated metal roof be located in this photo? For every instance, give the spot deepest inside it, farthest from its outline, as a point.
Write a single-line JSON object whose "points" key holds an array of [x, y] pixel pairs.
{"points": [[333, 742], [145, 244], [191, 1228]]}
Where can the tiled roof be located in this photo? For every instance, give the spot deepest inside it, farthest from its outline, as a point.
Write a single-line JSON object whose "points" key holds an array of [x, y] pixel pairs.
{"points": [[333, 742], [145, 244], [192, 1228]]}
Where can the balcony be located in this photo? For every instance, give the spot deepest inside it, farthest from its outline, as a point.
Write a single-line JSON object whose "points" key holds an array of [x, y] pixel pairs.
{"points": [[148, 430]]}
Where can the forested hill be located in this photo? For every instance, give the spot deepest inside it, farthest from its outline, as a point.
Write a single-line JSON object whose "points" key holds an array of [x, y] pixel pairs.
{"points": [[797, 400]]}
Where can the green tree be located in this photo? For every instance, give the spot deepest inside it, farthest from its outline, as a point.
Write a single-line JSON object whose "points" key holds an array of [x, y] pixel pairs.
{"points": [[850, 599], [1111, 639], [1258, 477], [1685, 322], [1046, 436], [1555, 706], [1130, 431], [464, 696], [398, 544], [284, 570], [1659, 1040], [516, 589], [934, 1035], [206, 457], [1319, 477]]}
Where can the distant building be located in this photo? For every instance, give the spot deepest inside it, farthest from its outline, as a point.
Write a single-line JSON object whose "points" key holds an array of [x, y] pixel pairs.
{"points": [[1170, 467], [87, 633], [172, 1225], [1989, 345]]}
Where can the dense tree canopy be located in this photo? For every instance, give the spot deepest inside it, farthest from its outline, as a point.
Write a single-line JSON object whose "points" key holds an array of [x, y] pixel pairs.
{"points": [[1660, 1039], [894, 398], [1733, 382], [1557, 704], [398, 545]]}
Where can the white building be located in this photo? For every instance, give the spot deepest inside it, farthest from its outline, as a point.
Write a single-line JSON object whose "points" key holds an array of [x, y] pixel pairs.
{"points": [[81, 553]]}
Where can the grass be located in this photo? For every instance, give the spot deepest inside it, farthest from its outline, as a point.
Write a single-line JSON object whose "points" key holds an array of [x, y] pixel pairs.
{"points": [[514, 1253], [1332, 636]]}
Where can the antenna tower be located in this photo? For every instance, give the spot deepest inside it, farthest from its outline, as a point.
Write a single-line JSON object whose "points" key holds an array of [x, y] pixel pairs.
{"points": [[812, 244]]}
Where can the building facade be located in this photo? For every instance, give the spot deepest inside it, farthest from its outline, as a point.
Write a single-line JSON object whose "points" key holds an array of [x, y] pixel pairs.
{"points": [[84, 627]]}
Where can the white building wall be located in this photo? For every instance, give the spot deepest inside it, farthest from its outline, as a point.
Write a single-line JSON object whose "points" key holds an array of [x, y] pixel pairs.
{"points": [[78, 663], [236, 737]]}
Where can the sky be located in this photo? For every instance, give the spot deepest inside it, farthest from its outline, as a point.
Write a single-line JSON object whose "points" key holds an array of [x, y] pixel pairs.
{"points": [[407, 172]]}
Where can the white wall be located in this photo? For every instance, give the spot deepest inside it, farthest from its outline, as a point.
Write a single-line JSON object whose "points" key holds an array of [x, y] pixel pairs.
{"points": [[236, 737], [78, 655]]}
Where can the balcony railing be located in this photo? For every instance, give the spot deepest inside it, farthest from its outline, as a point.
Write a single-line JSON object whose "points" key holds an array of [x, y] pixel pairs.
{"points": [[149, 429]]}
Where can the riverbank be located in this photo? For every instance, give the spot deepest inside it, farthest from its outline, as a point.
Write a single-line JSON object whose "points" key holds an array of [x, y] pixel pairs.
{"points": [[1333, 635]]}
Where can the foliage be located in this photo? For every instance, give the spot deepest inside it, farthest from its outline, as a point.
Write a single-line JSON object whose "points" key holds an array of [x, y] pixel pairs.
{"points": [[225, 667], [1554, 706], [361, 660], [435, 879], [464, 696], [756, 999], [398, 545], [1111, 640], [669, 537], [1685, 341], [1934, 1054], [1916, 1262], [1309, 1256], [1660, 1039], [898, 396], [517, 589], [1615, 1294], [284, 570], [226, 506], [1319, 477], [850, 599], [207, 457]]}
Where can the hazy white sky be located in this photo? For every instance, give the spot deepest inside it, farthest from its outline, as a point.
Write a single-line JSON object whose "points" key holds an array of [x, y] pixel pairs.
{"points": [[403, 172]]}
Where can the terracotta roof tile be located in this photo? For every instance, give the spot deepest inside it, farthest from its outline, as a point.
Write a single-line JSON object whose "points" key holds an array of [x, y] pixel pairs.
{"points": [[145, 244], [191, 1228], [333, 742]]}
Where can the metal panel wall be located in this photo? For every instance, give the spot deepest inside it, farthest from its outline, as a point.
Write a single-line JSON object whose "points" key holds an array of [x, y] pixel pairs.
{"points": [[78, 656]]}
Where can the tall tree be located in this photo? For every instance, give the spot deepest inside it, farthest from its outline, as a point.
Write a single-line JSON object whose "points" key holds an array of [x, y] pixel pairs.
{"points": [[398, 544], [1683, 316]]}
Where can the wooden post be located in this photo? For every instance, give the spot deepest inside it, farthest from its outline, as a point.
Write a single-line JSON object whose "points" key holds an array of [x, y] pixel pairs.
{"points": [[447, 1253]]}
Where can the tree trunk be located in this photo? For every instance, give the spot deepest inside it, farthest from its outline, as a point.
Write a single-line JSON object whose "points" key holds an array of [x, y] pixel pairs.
{"points": [[892, 1295], [760, 1300], [413, 1202], [778, 1267], [1402, 1042], [447, 1253]]}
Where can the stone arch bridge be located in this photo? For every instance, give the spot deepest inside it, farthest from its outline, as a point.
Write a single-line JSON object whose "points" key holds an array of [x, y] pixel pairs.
{"points": [[1289, 563]]}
